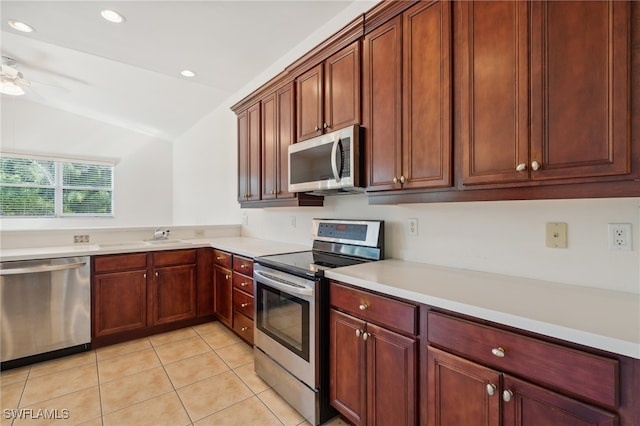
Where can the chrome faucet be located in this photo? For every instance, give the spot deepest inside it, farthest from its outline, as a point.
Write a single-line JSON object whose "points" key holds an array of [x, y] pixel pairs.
{"points": [[161, 234]]}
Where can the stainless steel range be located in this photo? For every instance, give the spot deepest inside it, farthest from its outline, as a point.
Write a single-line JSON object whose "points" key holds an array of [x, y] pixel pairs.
{"points": [[291, 333]]}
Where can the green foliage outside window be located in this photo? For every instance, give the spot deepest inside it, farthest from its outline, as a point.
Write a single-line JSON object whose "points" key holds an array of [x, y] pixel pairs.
{"points": [[45, 188]]}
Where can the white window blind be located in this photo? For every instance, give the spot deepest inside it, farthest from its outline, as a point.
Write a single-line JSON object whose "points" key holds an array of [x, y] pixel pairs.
{"points": [[48, 187]]}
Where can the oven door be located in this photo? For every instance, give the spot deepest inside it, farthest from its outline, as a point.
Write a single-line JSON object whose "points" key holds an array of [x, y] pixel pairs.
{"points": [[285, 321]]}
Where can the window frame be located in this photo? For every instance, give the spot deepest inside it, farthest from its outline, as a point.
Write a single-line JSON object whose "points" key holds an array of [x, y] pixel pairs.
{"points": [[59, 185]]}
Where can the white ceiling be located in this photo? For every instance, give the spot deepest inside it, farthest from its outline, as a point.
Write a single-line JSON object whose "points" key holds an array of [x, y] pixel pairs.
{"points": [[129, 74]]}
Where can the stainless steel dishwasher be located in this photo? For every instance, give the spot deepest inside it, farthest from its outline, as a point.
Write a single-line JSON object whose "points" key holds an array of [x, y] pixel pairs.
{"points": [[45, 309]]}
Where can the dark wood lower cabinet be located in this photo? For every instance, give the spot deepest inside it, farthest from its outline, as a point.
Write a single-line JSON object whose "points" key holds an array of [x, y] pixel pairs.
{"points": [[119, 302], [373, 370], [223, 307], [462, 392], [174, 293]]}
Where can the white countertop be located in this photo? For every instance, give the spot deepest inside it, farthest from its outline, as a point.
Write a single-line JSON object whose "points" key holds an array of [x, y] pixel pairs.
{"points": [[250, 247], [603, 319]]}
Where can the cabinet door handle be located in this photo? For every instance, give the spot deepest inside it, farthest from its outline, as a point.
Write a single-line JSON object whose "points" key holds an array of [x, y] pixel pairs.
{"points": [[317, 128], [157, 274], [365, 336], [499, 352], [491, 389], [535, 165], [358, 332], [507, 395], [227, 276], [363, 307], [521, 167], [244, 305], [395, 179], [144, 275], [403, 179], [325, 125]]}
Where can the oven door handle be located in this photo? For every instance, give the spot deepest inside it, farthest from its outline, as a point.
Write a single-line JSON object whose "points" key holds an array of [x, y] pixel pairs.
{"points": [[301, 291]]}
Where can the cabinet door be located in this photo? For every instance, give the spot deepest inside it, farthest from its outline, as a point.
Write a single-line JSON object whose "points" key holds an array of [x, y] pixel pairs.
{"points": [[174, 293], [492, 76], [527, 404], [426, 148], [309, 99], [223, 307], [286, 135], [253, 122], [580, 89], [269, 146], [119, 302], [391, 384], [243, 156], [347, 367], [382, 105], [342, 89], [461, 392]]}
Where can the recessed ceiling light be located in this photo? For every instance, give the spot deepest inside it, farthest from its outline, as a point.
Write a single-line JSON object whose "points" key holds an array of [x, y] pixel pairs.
{"points": [[112, 16], [188, 73], [21, 26]]}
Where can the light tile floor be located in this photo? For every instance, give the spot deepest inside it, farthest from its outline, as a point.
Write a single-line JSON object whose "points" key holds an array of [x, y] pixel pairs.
{"points": [[200, 375]]}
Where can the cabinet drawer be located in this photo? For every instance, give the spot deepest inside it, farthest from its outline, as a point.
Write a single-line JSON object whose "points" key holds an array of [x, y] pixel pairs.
{"points": [[242, 302], [120, 262], [579, 373], [243, 265], [243, 283], [174, 257], [381, 310], [222, 258], [243, 325]]}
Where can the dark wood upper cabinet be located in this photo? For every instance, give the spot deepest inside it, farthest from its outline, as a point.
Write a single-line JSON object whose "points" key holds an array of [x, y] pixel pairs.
{"points": [[407, 99], [278, 132], [249, 134], [328, 95], [544, 90]]}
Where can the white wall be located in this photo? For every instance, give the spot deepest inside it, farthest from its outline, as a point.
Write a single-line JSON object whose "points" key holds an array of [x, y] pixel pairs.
{"points": [[143, 173], [500, 237]]}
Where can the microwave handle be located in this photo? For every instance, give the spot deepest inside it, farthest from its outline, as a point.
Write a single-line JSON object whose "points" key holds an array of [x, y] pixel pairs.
{"points": [[334, 165]]}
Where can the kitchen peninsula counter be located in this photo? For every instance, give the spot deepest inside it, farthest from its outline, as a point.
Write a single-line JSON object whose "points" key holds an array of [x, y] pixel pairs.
{"points": [[599, 318]]}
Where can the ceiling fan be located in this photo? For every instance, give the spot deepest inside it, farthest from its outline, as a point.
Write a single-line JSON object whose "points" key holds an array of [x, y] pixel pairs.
{"points": [[11, 80]]}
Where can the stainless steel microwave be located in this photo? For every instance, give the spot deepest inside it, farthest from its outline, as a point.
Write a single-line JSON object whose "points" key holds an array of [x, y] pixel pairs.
{"points": [[327, 164]]}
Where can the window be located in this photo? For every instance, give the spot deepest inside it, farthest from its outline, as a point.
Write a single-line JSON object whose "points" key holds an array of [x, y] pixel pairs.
{"points": [[49, 187]]}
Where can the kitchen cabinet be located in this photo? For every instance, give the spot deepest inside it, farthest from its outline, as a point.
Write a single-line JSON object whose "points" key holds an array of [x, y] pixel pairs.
{"points": [[173, 286], [140, 294], [249, 154], [119, 294], [472, 371], [243, 297], [278, 132], [372, 357], [223, 284], [328, 95], [407, 100], [552, 104]]}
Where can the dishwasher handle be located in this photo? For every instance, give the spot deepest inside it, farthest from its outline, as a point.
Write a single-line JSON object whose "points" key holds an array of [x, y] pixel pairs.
{"points": [[38, 269]]}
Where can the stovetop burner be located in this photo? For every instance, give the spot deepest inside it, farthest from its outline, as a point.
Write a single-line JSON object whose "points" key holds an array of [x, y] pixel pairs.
{"points": [[336, 243]]}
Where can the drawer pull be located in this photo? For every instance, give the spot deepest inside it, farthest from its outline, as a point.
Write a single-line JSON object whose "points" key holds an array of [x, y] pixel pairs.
{"points": [[242, 266], [244, 328], [363, 307], [358, 332], [499, 352], [243, 284], [244, 305], [507, 395], [491, 389]]}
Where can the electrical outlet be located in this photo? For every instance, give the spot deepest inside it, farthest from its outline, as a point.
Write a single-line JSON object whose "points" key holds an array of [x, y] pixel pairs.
{"points": [[292, 221], [412, 227], [556, 235], [80, 239], [620, 238]]}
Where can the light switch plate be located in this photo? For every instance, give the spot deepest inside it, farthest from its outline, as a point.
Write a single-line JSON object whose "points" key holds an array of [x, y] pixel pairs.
{"points": [[556, 235]]}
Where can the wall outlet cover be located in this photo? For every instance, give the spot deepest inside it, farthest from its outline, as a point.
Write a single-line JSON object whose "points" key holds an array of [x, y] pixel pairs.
{"points": [[620, 237], [556, 235]]}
